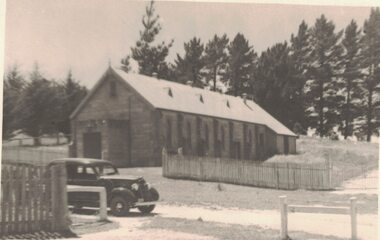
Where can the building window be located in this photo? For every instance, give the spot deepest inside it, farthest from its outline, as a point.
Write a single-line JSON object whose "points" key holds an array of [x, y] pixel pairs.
{"points": [[113, 89], [169, 134], [189, 134], [206, 137], [261, 139], [222, 136], [180, 130]]}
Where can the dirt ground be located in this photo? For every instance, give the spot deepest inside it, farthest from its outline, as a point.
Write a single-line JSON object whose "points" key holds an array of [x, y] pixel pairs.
{"points": [[321, 226], [172, 220]]}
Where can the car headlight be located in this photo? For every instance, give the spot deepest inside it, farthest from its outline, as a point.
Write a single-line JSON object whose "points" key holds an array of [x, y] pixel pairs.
{"points": [[135, 186]]}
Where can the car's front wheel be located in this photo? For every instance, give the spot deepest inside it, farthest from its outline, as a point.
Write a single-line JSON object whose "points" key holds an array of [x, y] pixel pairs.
{"points": [[119, 206], [153, 196]]}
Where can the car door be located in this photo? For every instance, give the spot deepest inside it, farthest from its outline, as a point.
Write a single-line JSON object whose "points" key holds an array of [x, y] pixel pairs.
{"points": [[82, 175]]}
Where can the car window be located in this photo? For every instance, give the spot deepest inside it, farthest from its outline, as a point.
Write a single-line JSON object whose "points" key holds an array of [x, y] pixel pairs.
{"points": [[80, 170], [90, 170], [106, 169]]}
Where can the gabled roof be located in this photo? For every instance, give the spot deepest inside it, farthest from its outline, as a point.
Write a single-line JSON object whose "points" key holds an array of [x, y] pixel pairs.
{"points": [[162, 94]]}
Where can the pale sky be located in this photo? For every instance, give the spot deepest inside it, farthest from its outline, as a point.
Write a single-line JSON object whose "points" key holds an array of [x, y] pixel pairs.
{"points": [[85, 35]]}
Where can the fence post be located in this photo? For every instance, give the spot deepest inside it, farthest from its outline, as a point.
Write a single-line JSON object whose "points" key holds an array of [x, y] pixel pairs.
{"points": [[104, 155], [103, 205], [353, 218], [59, 198], [330, 169], [277, 177], [284, 218], [164, 162]]}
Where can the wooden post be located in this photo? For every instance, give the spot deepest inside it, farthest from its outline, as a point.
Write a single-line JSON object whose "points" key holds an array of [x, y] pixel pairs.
{"points": [[330, 169], [104, 155], [354, 234], [103, 205], [277, 177], [284, 218], [59, 198], [165, 163]]}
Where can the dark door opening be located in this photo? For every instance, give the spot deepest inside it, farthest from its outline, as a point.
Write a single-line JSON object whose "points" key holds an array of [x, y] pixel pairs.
{"points": [[92, 145], [286, 145]]}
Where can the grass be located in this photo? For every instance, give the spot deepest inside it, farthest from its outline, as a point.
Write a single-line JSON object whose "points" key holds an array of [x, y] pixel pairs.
{"points": [[349, 159], [224, 231], [344, 155]]}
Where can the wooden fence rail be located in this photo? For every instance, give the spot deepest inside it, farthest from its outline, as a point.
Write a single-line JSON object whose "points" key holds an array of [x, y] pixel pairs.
{"points": [[32, 199], [284, 207], [270, 175], [36, 156]]}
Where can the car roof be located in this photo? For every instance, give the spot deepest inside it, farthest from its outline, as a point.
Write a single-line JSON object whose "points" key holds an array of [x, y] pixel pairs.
{"points": [[85, 161]]}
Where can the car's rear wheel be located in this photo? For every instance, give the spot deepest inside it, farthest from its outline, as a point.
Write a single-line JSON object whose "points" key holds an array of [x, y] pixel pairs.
{"points": [[153, 196], [119, 206]]}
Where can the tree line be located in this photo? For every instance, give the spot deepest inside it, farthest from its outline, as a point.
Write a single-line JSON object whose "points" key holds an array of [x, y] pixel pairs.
{"points": [[323, 78], [37, 105]]}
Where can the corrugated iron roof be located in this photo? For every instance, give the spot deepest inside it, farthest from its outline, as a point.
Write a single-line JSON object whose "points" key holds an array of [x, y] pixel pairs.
{"points": [[174, 96]]}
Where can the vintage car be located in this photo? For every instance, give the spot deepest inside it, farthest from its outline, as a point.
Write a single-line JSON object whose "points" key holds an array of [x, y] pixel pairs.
{"points": [[123, 192]]}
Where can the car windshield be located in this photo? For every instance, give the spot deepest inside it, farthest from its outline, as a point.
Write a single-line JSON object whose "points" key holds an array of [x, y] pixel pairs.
{"points": [[106, 169]]}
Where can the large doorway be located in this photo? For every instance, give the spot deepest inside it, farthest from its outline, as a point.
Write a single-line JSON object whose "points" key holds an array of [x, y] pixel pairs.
{"points": [[119, 142], [92, 145]]}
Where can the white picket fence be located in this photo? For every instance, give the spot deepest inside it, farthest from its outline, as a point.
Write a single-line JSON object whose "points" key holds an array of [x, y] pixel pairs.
{"points": [[244, 172]]}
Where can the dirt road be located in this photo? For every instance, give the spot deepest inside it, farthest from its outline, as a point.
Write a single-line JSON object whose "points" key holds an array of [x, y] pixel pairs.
{"points": [[323, 224]]}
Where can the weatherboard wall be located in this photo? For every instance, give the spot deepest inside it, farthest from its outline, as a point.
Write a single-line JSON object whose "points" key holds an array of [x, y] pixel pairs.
{"points": [[103, 108], [133, 132]]}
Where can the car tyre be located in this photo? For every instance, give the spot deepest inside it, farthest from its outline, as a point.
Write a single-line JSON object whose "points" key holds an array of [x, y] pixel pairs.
{"points": [[119, 206], [153, 196]]}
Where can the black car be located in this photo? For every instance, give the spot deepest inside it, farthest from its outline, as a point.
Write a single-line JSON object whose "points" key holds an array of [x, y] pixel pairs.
{"points": [[123, 192]]}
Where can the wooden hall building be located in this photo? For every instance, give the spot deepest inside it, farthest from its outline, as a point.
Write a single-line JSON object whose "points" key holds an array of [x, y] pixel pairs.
{"points": [[128, 119]]}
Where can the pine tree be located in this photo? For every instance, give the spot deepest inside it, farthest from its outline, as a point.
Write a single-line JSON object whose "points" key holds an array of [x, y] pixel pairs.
{"points": [[216, 57], [371, 70], [151, 59], [351, 78], [189, 67], [13, 86], [300, 53], [240, 65], [321, 88], [73, 94], [275, 86], [38, 106]]}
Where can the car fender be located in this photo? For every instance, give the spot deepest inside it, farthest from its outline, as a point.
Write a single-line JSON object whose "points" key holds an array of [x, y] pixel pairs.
{"points": [[125, 193]]}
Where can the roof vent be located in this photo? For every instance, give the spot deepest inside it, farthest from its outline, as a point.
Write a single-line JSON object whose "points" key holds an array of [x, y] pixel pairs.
{"points": [[201, 98], [244, 95], [170, 92], [189, 83], [227, 103], [155, 75]]}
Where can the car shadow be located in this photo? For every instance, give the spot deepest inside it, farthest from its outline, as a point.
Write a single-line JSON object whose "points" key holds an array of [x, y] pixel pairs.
{"points": [[95, 212]]}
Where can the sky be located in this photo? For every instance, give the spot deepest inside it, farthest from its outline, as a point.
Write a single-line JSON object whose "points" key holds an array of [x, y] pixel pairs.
{"points": [[88, 35]]}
